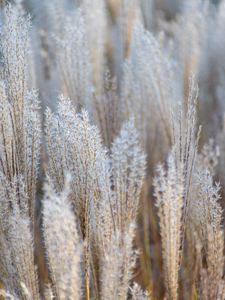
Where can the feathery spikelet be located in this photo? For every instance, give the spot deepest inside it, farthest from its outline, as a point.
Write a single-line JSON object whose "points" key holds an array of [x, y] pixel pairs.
{"points": [[206, 215], [62, 243], [118, 262], [74, 146], [73, 60], [128, 171], [15, 49], [105, 110], [16, 241], [20, 121], [169, 193], [149, 86], [105, 199], [208, 157], [185, 141]]}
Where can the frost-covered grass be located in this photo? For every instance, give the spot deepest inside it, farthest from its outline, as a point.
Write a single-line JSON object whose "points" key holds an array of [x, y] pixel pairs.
{"points": [[112, 149]]}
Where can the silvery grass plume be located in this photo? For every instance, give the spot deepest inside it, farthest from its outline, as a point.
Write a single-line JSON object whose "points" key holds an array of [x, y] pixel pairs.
{"points": [[19, 155], [74, 60], [117, 265], [185, 139], [106, 110], [75, 146], [208, 158], [19, 109], [79, 50], [172, 188], [16, 240], [128, 169], [149, 90], [62, 243], [206, 215], [105, 191], [74, 44], [169, 193], [198, 49]]}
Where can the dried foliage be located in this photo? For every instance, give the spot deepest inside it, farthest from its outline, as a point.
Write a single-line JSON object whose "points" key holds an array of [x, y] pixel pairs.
{"points": [[125, 199]]}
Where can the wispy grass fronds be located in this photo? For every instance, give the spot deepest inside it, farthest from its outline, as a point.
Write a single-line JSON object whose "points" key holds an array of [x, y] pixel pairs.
{"points": [[209, 157], [128, 171], [16, 240], [117, 265], [126, 70], [20, 121], [169, 193], [74, 146], [122, 178], [185, 139], [105, 190], [106, 110], [15, 49], [207, 216], [149, 89], [74, 60], [63, 246]]}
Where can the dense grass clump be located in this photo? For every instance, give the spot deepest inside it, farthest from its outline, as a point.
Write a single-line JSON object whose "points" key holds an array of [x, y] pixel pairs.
{"points": [[112, 149]]}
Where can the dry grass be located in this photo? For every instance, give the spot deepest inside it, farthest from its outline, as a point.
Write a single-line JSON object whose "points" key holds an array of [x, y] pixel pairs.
{"points": [[112, 147]]}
